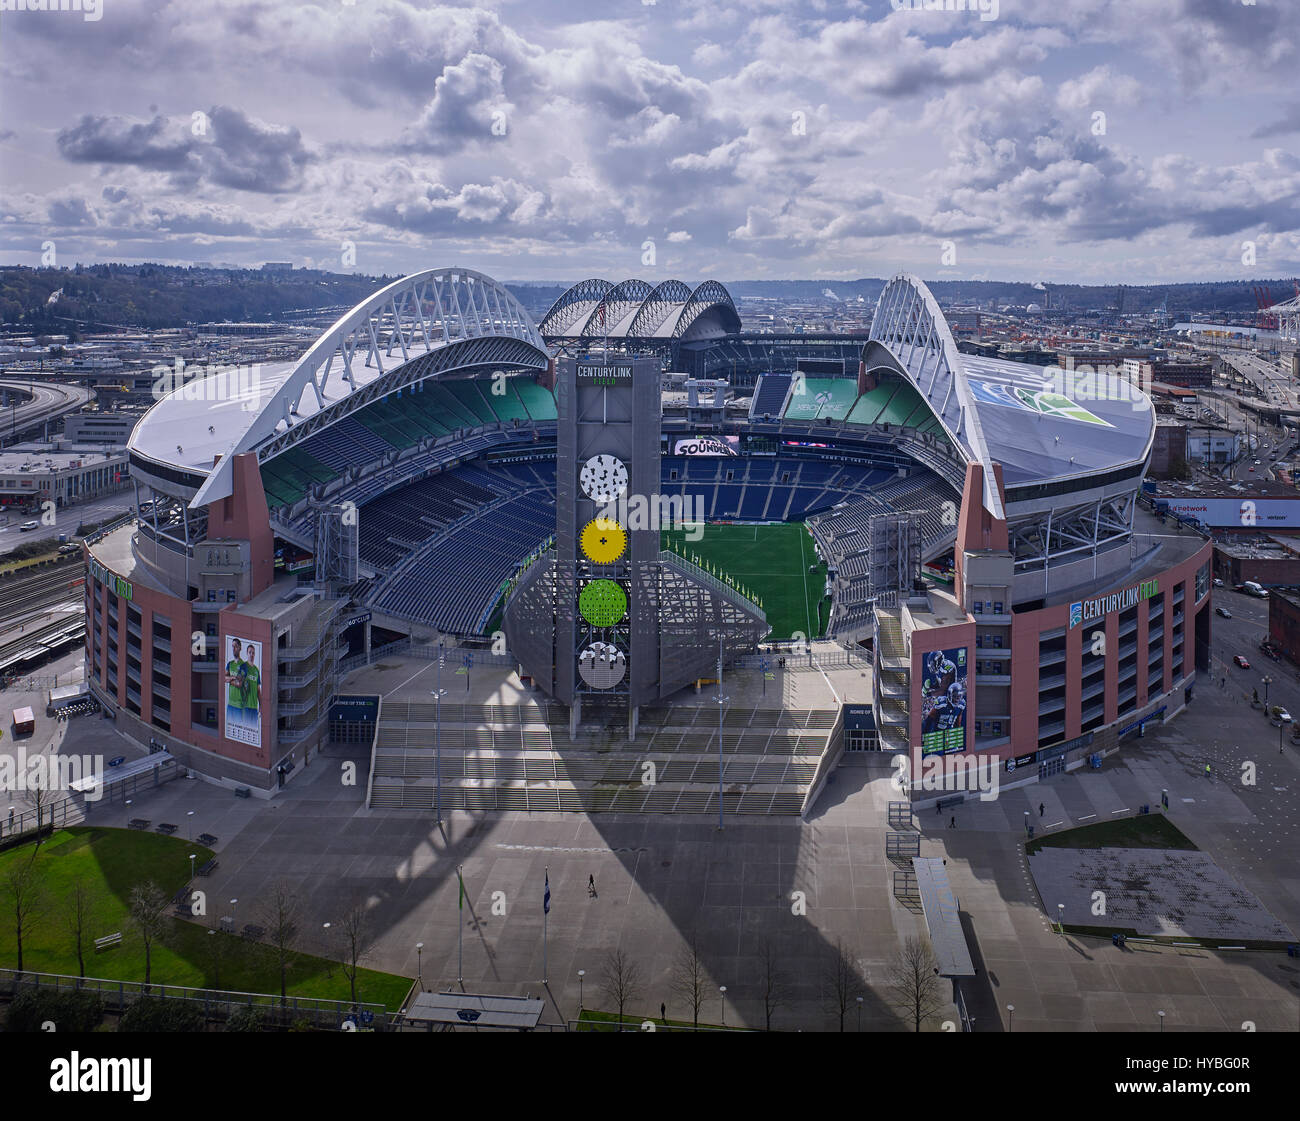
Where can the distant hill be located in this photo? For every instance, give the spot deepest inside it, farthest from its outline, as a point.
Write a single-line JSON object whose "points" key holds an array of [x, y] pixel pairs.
{"points": [[97, 297]]}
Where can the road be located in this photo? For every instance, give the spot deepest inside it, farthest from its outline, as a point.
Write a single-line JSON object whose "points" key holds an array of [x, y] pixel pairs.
{"points": [[1242, 635], [66, 520], [49, 400]]}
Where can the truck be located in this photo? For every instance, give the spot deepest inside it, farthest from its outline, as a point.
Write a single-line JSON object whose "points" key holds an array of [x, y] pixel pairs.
{"points": [[1251, 588]]}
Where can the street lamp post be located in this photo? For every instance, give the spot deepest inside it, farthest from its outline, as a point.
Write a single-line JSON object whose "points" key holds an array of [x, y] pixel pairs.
{"points": [[581, 974], [437, 738], [1060, 917], [1162, 1021], [1267, 682], [189, 821], [191, 867], [1011, 1011], [763, 666], [419, 964], [859, 1013], [722, 991], [722, 700], [468, 662]]}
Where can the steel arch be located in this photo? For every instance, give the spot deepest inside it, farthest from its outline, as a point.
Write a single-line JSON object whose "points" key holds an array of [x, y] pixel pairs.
{"points": [[657, 307], [574, 304], [706, 297], [617, 302], [416, 315], [909, 323]]}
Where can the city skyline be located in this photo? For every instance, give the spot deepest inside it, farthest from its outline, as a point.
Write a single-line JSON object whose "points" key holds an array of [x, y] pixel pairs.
{"points": [[771, 141]]}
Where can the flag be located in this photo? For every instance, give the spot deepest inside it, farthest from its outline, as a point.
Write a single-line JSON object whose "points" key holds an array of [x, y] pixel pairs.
{"points": [[460, 900], [546, 898]]}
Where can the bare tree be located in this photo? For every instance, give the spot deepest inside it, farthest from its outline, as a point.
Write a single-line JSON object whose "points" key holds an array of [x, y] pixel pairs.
{"points": [[148, 907], [220, 949], [280, 913], [76, 916], [914, 984], [843, 981], [776, 989], [689, 982], [25, 893], [620, 980], [357, 938], [40, 797]]}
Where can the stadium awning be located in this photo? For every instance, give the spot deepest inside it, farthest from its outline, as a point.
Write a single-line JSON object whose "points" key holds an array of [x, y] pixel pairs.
{"points": [[942, 918], [468, 1010]]}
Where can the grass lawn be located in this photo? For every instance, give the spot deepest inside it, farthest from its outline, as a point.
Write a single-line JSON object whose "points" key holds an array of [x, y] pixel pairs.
{"points": [[1146, 831], [771, 561], [111, 862]]}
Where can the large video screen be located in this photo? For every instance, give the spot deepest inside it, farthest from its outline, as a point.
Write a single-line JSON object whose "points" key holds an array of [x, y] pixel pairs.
{"points": [[943, 701], [243, 684], [707, 445]]}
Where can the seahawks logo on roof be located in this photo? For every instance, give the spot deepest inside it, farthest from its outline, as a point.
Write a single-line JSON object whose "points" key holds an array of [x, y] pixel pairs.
{"points": [[1045, 401]]}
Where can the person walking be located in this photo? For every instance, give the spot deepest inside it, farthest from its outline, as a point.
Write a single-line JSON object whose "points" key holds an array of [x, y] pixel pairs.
{"points": [[953, 823], [1040, 809], [663, 1013], [591, 885]]}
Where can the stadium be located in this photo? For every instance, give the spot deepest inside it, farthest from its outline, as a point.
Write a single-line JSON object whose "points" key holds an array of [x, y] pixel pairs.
{"points": [[969, 529]]}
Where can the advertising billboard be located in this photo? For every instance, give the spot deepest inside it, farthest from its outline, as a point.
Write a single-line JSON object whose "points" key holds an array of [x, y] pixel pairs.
{"points": [[943, 701], [707, 445], [1235, 513], [242, 680]]}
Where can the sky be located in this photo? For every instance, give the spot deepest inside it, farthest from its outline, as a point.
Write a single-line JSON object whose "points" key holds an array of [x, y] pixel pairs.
{"points": [[1089, 141]]}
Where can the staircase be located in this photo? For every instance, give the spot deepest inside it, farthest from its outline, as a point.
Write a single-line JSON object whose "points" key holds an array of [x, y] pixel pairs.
{"points": [[520, 758]]}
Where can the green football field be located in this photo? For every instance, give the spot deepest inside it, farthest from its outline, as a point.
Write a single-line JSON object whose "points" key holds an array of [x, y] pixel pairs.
{"points": [[771, 562]]}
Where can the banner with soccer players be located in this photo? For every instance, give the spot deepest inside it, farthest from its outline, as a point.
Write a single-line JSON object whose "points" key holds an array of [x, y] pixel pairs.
{"points": [[943, 701], [242, 678]]}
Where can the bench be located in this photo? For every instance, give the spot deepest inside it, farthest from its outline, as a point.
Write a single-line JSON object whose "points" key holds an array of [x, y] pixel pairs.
{"points": [[107, 941], [207, 869], [138, 823], [182, 896], [166, 828], [243, 792], [254, 932], [207, 840]]}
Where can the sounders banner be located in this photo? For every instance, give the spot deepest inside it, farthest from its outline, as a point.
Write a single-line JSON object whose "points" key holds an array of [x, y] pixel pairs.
{"points": [[943, 701], [243, 685]]}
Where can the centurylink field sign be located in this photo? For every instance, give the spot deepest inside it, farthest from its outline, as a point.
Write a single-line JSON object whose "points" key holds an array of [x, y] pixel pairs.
{"points": [[1086, 610]]}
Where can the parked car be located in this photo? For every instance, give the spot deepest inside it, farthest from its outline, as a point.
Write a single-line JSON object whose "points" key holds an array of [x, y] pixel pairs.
{"points": [[1280, 715], [1218, 583], [1223, 612], [1241, 661]]}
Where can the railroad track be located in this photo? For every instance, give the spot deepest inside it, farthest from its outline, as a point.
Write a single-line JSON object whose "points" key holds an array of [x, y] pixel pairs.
{"points": [[53, 585], [40, 642]]}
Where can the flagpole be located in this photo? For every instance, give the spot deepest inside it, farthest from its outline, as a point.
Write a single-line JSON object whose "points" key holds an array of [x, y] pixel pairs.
{"points": [[460, 928], [546, 914]]}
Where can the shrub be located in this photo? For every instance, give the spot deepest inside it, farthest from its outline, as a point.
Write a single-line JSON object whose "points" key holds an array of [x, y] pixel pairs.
{"points": [[245, 1019], [151, 1014], [68, 1012]]}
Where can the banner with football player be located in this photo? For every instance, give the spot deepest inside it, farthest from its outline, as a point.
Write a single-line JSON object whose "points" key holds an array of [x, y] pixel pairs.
{"points": [[943, 701], [242, 678]]}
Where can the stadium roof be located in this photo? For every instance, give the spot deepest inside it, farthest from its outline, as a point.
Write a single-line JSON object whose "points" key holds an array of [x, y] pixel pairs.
{"points": [[1039, 423], [635, 309], [426, 324]]}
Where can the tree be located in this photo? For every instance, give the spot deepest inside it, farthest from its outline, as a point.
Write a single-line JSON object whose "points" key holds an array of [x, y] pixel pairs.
{"points": [[280, 914], [776, 988], [620, 980], [843, 981], [914, 984], [357, 937], [26, 898], [689, 983], [77, 908], [148, 909], [40, 797]]}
